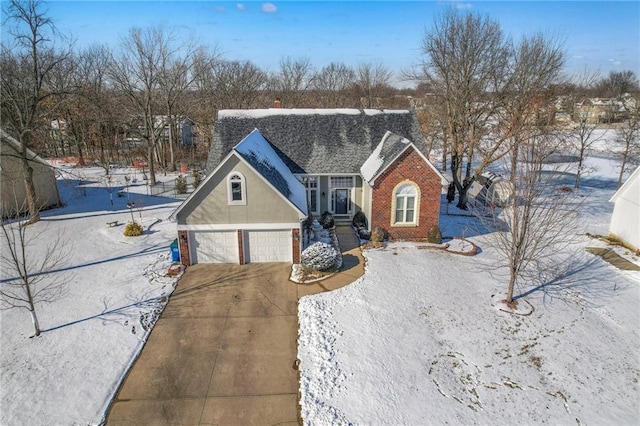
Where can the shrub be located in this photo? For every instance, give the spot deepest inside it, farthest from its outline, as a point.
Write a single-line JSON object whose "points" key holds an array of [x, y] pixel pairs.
{"points": [[434, 236], [197, 179], [326, 220], [360, 220], [378, 235], [181, 184], [320, 257], [133, 229]]}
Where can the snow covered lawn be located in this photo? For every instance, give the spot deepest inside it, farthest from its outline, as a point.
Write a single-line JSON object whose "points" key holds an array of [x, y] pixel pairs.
{"points": [[417, 339], [115, 290]]}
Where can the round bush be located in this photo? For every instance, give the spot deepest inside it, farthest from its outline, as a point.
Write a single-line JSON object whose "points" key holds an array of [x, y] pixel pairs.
{"points": [[378, 235], [133, 229], [326, 220], [320, 257], [434, 236]]}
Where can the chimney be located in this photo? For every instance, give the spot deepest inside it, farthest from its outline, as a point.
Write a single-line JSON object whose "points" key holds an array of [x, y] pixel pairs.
{"points": [[277, 103]]}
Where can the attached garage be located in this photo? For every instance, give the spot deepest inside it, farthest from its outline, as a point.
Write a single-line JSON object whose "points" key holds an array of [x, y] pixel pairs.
{"points": [[268, 246], [214, 246]]}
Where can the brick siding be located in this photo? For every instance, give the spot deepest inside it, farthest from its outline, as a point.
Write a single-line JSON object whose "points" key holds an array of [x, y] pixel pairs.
{"points": [[295, 242], [183, 244], [410, 166]]}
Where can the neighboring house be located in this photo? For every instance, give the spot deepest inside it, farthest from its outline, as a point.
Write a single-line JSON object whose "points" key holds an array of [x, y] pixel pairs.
{"points": [[600, 110], [625, 221], [12, 178], [269, 169]]}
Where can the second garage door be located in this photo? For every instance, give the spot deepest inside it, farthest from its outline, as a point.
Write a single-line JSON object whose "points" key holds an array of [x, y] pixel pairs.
{"points": [[268, 246]]}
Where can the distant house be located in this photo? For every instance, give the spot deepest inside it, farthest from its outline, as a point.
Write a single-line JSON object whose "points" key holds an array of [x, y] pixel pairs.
{"points": [[600, 110], [13, 189], [625, 221], [269, 169]]}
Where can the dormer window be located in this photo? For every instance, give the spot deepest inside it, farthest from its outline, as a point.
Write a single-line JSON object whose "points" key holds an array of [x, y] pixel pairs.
{"points": [[236, 189]]}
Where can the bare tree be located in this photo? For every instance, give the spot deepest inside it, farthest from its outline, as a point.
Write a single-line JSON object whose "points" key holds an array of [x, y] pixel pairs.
{"points": [[27, 279], [293, 80], [135, 73], [331, 85], [618, 83], [534, 230], [237, 84], [177, 73], [627, 143], [535, 225], [373, 81], [466, 62], [25, 69]]}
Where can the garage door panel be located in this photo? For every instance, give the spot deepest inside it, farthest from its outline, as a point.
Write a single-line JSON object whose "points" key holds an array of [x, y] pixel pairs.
{"points": [[268, 246], [215, 247]]}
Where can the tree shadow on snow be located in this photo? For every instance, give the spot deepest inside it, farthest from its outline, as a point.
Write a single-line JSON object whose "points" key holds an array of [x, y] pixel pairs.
{"points": [[584, 279]]}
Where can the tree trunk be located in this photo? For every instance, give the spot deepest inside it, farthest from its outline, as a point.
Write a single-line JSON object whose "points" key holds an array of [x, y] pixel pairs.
{"points": [[579, 172], [511, 286], [30, 190], [34, 321]]}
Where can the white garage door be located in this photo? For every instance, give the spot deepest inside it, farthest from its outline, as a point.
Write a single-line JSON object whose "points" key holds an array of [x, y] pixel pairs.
{"points": [[268, 246], [215, 247]]}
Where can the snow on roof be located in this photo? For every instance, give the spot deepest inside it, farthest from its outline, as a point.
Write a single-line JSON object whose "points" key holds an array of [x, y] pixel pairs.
{"points": [[260, 113], [259, 153], [387, 150]]}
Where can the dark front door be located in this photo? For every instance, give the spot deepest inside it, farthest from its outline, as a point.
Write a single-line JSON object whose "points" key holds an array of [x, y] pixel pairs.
{"points": [[342, 201]]}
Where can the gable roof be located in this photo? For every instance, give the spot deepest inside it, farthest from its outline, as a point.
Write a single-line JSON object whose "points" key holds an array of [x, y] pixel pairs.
{"points": [[633, 180], [255, 151], [261, 156], [386, 153], [17, 146], [314, 141]]}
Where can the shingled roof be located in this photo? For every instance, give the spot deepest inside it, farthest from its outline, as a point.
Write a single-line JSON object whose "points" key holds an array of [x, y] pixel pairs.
{"points": [[314, 141], [257, 151]]}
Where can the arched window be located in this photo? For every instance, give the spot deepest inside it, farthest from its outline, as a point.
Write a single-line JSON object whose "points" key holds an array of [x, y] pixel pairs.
{"points": [[236, 189], [406, 204]]}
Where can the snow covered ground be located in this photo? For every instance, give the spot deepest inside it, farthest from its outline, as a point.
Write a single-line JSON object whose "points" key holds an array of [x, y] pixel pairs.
{"points": [[415, 341], [418, 339], [115, 289]]}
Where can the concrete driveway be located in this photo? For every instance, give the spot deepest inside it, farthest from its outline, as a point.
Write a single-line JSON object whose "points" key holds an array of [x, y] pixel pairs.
{"points": [[224, 350]]}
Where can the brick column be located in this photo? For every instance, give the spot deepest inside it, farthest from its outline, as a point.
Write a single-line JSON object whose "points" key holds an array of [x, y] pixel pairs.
{"points": [[183, 244], [295, 233], [240, 247]]}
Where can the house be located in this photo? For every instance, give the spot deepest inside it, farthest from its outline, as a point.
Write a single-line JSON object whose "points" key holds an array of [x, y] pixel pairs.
{"points": [[269, 169], [625, 221], [600, 110], [11, 175]]}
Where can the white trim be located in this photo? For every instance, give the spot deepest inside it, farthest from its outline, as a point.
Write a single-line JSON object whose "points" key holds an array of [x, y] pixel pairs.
{"points": [[443, 180], [238, 226], [243, 189], [331, 198], [416, 205]]}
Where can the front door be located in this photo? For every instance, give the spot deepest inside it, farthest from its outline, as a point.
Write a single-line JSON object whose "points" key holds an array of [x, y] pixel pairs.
{"points": [[342, 201]]}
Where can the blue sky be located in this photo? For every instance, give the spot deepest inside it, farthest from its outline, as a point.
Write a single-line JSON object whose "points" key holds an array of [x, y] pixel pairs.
{"points": [[598, 35]]}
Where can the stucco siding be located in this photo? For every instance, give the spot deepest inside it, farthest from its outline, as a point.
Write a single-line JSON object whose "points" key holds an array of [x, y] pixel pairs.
{"points": [[625, 221], [13, 189], [211, 205]]}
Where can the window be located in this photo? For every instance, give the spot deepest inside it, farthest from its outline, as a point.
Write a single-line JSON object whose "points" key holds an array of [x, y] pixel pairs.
{"points": [[406, 204], [236, 189], [311, 183], [341, 188]]}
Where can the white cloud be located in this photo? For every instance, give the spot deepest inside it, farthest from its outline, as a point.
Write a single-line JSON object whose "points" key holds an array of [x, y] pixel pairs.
{"points": [[219, 9], [268, 8], [460, 5], [240, 6]]}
